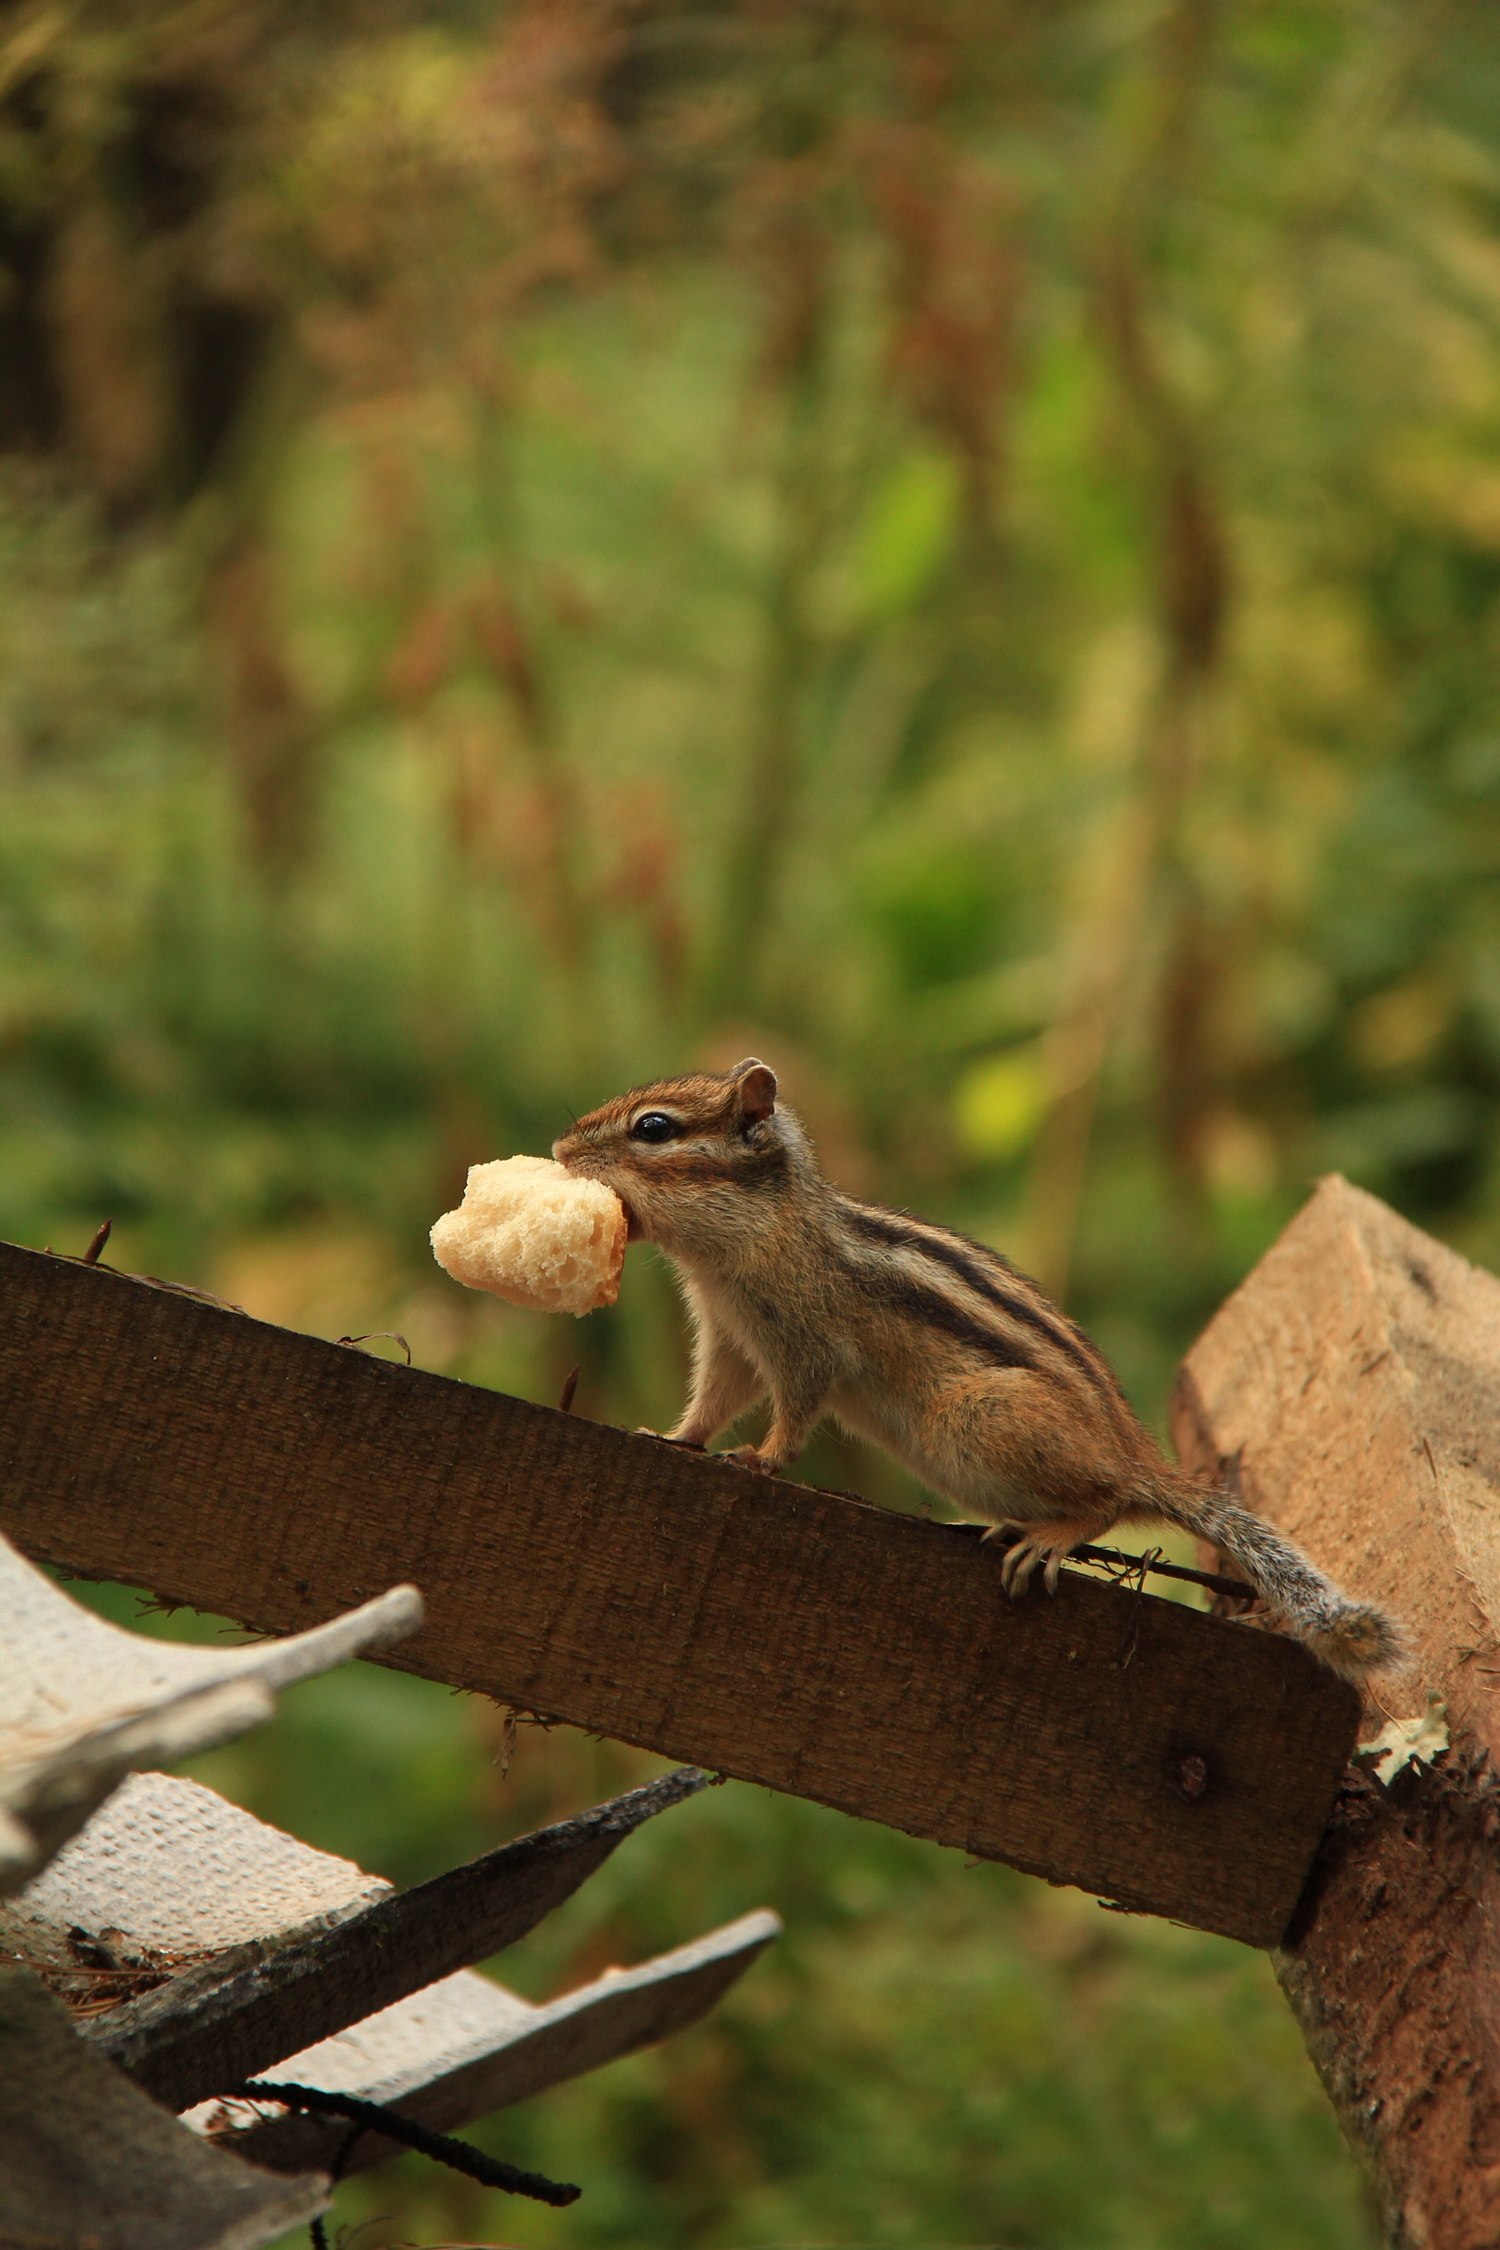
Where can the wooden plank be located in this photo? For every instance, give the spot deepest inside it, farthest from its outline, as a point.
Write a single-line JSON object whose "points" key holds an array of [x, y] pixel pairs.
{"points": [[243, 2011], [89, 2162], [468, 2046], [786, 1636], [1355, 1379]]}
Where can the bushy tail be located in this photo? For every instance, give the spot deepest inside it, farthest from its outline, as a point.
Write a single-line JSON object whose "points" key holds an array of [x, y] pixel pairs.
{"points": [[1350, 1637]]}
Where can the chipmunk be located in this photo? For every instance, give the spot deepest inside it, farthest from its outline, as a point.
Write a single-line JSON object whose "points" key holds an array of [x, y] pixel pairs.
{"points": [[930, 1344]]}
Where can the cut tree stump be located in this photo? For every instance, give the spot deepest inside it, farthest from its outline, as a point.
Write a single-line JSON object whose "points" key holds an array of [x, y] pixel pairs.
{"points": [[1352, 1384], [782, 1635]]}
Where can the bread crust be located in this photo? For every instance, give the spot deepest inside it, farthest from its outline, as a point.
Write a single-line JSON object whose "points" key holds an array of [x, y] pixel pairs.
{"points": [[536, 1235]]}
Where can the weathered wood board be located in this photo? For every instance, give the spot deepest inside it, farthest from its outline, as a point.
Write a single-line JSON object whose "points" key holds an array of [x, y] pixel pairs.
{"points": [[795, 1638], [467, 2046], [89, 2162]]}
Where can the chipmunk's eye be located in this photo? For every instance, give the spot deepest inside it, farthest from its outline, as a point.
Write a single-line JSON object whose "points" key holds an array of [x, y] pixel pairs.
{"points": [[654, 1126]]}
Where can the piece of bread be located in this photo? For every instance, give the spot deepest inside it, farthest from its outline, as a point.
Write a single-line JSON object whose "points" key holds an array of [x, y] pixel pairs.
{"points": [[530, 1232]]}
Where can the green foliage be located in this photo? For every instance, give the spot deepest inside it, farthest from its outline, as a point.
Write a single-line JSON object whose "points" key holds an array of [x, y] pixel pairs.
{"points": [[961, 551]]}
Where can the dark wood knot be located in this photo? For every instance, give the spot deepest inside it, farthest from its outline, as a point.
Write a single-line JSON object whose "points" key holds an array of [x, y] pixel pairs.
{"points": [[1192, 1775]]}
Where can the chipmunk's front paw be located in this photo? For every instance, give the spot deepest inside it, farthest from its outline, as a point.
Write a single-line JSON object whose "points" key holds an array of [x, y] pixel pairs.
{"points": [[670, 1437], [750, 1457]]}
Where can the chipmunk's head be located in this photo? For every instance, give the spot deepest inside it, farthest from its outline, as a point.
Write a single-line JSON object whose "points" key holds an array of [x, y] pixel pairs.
{"points": [[704, 1165]]}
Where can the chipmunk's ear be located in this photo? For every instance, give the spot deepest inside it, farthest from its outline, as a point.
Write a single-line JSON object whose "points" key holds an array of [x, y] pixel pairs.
{"points": [[756, 1087]]}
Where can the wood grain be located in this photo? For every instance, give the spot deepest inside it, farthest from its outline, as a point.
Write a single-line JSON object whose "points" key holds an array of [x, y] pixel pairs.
{"points": [[786, 1636], [1354, 1376]]}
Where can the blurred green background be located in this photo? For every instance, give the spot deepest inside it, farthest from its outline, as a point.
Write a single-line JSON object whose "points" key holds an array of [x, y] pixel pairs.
{"points": [[955, 546]]}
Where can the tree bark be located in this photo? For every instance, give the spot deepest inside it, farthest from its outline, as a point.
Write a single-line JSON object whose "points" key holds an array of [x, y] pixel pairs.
{"points": [[1352, 1385]]}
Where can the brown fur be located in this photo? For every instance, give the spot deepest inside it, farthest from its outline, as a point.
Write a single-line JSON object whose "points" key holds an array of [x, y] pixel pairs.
{"points": [[930, 1344]]}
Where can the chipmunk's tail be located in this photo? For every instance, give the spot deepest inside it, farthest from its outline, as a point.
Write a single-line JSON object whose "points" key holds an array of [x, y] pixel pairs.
{"points": [[1352, 1638]]}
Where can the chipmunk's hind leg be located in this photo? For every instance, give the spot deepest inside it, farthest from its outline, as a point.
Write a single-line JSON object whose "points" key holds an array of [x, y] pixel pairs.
{"points": [[1010, 1447], [1039, 1543]]}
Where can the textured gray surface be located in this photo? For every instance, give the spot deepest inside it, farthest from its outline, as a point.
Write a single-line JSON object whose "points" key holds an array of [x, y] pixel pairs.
{"points": [[172, 1868], [89, 2163], [242, 2010], [82, 1703], [169, 1867]]}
